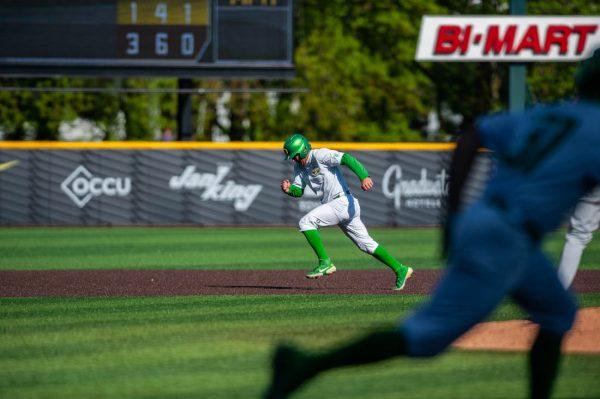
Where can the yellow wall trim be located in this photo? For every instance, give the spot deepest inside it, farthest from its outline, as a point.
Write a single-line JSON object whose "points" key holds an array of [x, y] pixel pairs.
{"points": [[200, 145]]}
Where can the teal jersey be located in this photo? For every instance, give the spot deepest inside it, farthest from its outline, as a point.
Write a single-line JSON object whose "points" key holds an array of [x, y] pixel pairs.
{"points": [[548, 149]]}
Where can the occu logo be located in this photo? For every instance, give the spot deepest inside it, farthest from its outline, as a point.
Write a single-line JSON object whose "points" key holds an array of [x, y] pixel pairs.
{"points": [[81, 186]]}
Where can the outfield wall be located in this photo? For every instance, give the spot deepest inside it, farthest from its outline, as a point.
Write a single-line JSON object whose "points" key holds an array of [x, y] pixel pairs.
{"points": [[207, 184]]}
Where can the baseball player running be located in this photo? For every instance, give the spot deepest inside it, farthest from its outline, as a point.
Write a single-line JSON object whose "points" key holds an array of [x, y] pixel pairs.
{"points": [[493, 244], [317, 170], [584, 221]]}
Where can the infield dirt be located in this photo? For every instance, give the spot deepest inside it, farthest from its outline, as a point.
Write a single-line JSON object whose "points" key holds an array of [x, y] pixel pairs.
{"points": [[225, 282], [518, 335]]}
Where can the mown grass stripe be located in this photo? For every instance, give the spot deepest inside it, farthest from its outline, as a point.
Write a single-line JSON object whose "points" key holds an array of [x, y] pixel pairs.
{"points": [[203, 248]]}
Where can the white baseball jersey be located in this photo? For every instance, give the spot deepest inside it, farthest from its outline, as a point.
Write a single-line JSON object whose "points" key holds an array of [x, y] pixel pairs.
{"points": [[321, 175], [339, 207]]}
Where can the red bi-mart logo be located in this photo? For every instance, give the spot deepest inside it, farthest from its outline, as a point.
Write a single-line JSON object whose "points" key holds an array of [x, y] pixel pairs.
{"points": [[506, 39], [538, 40]]}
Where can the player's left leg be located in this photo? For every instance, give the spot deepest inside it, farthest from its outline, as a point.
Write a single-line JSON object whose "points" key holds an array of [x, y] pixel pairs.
{"points": [[293, 367], [355, 229], [461, 300]]}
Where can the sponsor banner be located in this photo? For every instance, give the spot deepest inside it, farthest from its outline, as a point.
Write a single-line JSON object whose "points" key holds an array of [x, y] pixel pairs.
{"points": [[507, 38], [208, 188]]}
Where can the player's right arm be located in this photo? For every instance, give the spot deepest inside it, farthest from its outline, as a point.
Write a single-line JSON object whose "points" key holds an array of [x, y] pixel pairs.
{"points": [[295, 189], [291, 189]]}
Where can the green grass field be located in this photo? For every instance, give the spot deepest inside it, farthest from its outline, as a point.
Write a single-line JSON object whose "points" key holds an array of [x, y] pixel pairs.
{"points": [[223, 248], [219, 347]]}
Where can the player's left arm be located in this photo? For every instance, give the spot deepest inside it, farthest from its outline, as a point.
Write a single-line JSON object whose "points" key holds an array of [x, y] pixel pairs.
{"points": [[359, 170]]}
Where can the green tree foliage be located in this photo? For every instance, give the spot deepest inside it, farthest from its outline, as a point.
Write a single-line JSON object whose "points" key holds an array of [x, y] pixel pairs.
{"points": [[36, 115], [554, 81], [356, 60], [148, 115], [356, 81], [27, 114]]}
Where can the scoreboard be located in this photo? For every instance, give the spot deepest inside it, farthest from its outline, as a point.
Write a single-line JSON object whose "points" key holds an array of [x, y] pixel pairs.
{"points": [[184, 38]]}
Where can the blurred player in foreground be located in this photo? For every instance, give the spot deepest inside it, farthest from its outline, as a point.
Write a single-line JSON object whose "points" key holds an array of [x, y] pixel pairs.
{"points": [[548, 158], [584, 221], [318, 171]]}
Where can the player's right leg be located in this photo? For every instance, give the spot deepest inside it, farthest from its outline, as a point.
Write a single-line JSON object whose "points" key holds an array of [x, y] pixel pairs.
{"points": [[553, 308], [583, 223], [321, 216], [463, 298], [475, 282]]}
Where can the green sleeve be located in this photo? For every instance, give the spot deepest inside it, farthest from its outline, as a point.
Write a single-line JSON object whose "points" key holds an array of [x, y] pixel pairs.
{"points": [[295, 191], [355, 166]]}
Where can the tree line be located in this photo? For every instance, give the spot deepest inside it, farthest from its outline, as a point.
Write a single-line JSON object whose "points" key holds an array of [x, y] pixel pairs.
{"points": [[355, 74]]}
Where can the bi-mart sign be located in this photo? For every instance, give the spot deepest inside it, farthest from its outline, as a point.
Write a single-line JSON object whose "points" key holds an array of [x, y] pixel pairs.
{"points": [[507, 38]]}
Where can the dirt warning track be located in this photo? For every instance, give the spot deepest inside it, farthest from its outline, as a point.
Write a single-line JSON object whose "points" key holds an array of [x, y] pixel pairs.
{"points": [[114, 282]]}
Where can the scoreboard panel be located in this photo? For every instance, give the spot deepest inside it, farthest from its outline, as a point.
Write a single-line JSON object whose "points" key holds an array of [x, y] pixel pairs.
{"points": [[185, 38]]}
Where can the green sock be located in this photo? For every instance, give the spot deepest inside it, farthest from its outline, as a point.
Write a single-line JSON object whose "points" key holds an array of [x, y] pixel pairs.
{"points": [[314, 239], [384, 257]]}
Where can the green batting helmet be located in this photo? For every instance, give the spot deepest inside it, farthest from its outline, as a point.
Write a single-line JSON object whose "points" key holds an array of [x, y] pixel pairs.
{"points": [[587, 77], [296, 144]]}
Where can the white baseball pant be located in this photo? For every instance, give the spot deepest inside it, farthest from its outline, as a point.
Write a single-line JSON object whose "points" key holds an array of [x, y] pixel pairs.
{"points": [[344, 212], [584, 221]]}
